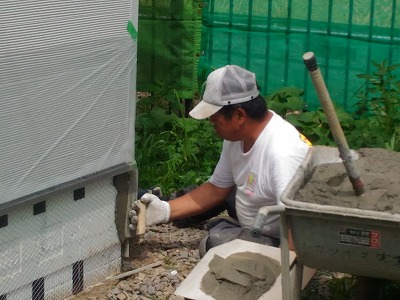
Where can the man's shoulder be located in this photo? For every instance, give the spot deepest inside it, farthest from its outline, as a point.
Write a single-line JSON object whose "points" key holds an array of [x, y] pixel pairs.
{"points": [[279, 121]]}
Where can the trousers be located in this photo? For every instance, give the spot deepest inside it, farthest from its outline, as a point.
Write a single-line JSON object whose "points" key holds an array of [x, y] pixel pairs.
{"points": [[223, 231]]}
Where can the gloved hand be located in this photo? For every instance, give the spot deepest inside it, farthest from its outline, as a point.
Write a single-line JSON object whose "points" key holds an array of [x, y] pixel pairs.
{"points": [[157, 211]]}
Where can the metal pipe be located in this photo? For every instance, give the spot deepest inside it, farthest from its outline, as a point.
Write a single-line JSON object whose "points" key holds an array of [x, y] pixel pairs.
{"points": [[285, 259], [256, 231], [261, 218]]}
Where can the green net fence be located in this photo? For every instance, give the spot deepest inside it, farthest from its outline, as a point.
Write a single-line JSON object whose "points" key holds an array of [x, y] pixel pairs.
{"points": [[168, 46], [181, 41], [270, 37]]}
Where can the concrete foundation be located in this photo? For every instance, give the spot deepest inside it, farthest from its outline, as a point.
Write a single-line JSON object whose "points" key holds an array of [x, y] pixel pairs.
{"points": [[60, 245]]}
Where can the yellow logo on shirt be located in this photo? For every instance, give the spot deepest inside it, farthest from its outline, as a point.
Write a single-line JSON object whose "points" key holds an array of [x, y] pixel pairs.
{"points": [[251, 183], [305, 140]]}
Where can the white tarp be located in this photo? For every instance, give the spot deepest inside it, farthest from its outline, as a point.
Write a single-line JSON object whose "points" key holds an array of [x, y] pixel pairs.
{"points": [[67, 91]]}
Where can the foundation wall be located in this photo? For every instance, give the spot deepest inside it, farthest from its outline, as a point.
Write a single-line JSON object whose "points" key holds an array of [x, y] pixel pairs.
{"points": [[56, 247]]}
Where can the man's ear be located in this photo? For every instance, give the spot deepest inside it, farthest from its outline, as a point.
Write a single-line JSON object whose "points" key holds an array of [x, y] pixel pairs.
{"points": [[241, 113]]}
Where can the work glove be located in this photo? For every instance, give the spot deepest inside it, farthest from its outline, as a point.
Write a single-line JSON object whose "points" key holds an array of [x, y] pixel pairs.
{"points": [[157, 211]]}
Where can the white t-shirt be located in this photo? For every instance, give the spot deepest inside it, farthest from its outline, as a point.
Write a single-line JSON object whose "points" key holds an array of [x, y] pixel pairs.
{"points": [[261, 174]]}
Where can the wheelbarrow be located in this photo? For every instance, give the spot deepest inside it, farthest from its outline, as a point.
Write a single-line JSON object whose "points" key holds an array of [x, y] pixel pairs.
{"points": [[348, 240]]}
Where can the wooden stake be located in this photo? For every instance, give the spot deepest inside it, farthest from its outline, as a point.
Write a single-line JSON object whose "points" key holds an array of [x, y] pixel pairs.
{"points": [[126, 274]]}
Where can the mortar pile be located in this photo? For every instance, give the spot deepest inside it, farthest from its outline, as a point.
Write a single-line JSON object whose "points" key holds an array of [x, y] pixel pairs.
{"points": [[243, 275], [380, 168]]}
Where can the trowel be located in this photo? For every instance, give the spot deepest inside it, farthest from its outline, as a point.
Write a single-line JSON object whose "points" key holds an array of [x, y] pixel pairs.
{"points": [[141, 224], [140, 228]]}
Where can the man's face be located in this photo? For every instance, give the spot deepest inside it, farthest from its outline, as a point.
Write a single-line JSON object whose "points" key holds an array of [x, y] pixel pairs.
{"points": [[224, 127]]}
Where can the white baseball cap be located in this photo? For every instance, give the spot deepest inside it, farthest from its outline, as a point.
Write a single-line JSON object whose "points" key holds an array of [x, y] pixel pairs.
{"points": [[227, 85]]}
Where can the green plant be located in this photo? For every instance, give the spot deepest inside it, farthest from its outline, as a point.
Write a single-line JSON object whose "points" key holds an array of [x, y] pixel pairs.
{"points": [[169, 263], [374, 288], [286, 100], [172, 151], [341, 288], [391, 290], [288, 103], [378, 107], [375, 123], [314, 125], [329, 286]]}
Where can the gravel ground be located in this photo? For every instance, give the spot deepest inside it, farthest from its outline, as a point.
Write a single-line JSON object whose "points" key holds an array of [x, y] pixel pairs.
{"points": [[173, 248], [174, 252]]}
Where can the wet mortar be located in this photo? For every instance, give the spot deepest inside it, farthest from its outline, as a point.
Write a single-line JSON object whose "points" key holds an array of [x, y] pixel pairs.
{"points": [[379, 170]]}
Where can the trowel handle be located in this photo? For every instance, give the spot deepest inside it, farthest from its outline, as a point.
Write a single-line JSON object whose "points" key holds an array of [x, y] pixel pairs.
{"points": [[141, 224], [318, 81]]}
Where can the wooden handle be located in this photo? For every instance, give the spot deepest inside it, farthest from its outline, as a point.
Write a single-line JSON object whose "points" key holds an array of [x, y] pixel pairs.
{"points": [[141, 224], [319, 84]]}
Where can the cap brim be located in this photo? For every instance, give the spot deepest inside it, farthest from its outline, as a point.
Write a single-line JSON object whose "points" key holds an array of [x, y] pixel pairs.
{"points": [[204, 110]]}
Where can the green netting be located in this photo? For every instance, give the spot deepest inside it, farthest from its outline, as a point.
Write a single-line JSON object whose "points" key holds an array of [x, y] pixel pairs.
{"points": [[270, 37], [168, 45]]}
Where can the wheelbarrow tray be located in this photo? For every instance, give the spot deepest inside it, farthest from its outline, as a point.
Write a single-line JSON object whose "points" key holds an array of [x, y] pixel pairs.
{"points": [[347, 240]]}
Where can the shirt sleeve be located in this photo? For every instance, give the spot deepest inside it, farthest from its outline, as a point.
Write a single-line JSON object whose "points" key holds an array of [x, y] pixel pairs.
{"points": [[222, 176]]}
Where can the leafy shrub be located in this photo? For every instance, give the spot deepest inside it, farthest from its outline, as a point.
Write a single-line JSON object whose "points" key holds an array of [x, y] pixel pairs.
{"points": [[288, 103], [378, 108], [375, 123], [173, 151]]}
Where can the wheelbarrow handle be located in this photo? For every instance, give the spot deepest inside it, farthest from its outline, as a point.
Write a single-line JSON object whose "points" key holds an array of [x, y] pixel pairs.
{"points": [[262, 216]]}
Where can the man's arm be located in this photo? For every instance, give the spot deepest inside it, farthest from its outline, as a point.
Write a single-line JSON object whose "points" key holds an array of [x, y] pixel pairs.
{"points": [[197, 201]]}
